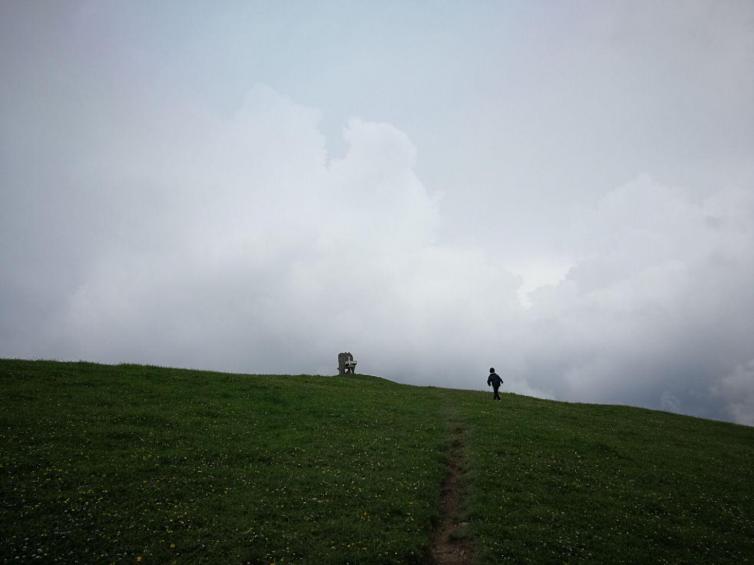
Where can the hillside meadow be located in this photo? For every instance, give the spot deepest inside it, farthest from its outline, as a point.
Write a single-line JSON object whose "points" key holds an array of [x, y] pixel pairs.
{"points": [[138, 464]]}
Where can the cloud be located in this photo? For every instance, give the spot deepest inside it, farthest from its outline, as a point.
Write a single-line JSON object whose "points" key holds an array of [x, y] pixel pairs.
{"points": [[737, 391], [655, 310], [237, 242]]}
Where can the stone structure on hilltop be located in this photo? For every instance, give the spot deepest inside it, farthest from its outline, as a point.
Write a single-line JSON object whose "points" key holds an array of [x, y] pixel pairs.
{"points": [[346, 363]]}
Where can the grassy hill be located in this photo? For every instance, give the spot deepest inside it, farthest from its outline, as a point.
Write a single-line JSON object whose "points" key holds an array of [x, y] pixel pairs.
{"points": [[142, 464]]}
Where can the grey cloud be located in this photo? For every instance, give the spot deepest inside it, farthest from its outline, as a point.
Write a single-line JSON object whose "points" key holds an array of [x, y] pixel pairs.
{"points": [[658, 307], [148, 214], [248, 249]]}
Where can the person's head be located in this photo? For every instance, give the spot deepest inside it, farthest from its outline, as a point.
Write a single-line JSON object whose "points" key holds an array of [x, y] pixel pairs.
{"points": [[492, 369]]}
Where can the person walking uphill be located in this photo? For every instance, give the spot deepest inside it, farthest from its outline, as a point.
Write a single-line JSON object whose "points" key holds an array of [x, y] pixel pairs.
{"points": [[494, 380]]}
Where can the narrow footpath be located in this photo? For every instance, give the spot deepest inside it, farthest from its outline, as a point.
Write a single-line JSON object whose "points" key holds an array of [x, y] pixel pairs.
{"points": [[451, 544]]}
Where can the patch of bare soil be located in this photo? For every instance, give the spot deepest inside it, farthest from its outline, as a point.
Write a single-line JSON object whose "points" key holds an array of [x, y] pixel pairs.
{"points": [[451, 544]]}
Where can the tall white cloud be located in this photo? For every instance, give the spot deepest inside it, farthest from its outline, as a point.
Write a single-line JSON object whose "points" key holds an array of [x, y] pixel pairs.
{"points": [[148, 215], [240, 244]]}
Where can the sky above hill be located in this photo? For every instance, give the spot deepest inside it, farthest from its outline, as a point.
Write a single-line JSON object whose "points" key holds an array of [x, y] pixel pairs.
{"points": [[564, 191]]}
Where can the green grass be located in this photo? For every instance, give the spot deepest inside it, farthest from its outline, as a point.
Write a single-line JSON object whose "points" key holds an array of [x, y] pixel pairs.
{"points": [[131, 463], [556, 482], [111, 463]]}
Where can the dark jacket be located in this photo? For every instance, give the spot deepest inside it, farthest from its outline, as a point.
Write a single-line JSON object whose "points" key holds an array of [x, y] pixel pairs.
{"points": [[494, 380]]}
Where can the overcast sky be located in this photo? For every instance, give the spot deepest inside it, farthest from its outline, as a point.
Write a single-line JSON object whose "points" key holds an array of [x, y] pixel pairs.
{"points": [[564, 191]]}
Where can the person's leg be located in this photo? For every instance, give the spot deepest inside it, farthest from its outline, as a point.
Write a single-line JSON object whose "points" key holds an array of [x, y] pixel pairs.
{"points": [[497, 394]]}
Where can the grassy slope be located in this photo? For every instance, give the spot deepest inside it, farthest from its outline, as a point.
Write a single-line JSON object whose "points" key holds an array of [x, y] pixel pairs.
{"points": [[112, 463], [103, 463], [556, 482]]}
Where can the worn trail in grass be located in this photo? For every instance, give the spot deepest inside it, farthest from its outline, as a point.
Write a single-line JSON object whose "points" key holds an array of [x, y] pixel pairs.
{"points": [[451, 544]]}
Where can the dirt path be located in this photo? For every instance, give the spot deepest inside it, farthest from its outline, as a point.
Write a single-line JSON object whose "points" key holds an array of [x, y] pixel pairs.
{"points": [[451, 543]]}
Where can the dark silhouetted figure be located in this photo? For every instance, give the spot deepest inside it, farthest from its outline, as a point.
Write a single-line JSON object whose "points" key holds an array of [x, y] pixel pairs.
{"points": [[494, 380]]}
